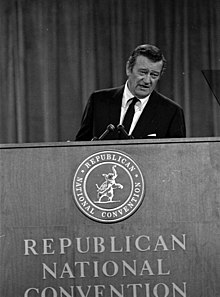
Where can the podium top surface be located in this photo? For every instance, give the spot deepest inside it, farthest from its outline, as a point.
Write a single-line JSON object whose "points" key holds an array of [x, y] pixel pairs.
{"points": [[111, 142]]}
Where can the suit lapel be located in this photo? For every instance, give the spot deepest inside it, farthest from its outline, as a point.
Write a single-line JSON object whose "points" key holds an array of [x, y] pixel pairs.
{"points": [[115, 102], [147, 122]]}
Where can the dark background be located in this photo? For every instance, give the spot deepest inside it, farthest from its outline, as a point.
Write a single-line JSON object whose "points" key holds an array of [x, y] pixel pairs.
{"points": [[54, 53]]}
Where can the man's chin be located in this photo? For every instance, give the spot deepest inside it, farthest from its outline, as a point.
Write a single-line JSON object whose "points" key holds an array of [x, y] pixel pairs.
{"points": [[142, 93]]}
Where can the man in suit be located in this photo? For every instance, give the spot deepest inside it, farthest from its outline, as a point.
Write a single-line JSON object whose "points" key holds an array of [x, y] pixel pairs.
{"points": [[152, 115]]}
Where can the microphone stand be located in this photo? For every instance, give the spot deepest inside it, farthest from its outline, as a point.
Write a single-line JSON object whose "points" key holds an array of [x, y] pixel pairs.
{"points": [[108, 130]]}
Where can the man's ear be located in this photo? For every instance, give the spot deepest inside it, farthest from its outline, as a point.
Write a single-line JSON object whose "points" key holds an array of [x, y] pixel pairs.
{"points": [[128, 70]]}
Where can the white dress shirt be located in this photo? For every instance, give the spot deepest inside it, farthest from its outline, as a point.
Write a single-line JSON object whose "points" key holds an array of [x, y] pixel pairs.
{"points": [[139, 106]]}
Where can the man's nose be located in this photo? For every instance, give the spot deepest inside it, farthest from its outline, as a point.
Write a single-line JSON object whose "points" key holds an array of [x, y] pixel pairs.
{"points": [[147, 78]]}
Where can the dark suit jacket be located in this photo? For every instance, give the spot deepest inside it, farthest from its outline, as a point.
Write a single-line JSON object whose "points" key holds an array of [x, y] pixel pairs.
{"points": [[161, 116]]}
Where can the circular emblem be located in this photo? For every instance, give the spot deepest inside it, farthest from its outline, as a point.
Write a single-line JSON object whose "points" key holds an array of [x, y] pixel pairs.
{"points": [[108, 186]]}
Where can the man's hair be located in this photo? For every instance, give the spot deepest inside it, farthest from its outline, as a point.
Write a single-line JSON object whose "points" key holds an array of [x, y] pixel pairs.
{"points": [[149, 51]]}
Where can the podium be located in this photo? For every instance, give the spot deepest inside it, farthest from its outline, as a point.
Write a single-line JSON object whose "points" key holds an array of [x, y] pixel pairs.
{"points": [[135, 218]]}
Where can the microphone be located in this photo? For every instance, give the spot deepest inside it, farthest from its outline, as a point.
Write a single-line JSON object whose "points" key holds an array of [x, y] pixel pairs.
{"points": [[122, 130], [94, 138], [109, 129]]}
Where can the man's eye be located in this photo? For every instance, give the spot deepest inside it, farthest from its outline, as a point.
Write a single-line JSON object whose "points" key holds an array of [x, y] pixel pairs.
{"points": [[154, 75]]}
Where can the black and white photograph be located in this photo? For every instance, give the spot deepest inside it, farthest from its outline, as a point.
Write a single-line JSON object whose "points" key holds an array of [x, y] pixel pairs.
{"points": [[109, 148]]}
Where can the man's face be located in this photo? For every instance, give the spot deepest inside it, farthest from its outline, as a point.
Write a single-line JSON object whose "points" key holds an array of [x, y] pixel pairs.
{"points": [[143, 78]]}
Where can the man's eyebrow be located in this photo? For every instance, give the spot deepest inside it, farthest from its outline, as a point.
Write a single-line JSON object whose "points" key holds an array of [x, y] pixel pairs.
{"points": [[144, 69], [148, 70]]}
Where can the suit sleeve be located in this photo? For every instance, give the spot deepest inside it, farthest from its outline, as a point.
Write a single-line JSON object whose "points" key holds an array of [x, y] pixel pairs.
{"points": [[177, 126], [86, 130]]}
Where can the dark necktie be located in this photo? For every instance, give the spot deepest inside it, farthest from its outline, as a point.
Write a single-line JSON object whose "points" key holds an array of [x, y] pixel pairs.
{"points": [[129, 114]]}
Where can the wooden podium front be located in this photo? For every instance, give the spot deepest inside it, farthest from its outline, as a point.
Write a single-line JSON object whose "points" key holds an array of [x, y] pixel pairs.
{"points": [[113, 219]]}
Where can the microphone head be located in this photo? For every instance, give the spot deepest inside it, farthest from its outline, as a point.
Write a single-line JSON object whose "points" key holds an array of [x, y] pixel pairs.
{"points": [[94, 138], [121, 129], [120, 126], [110, 127]]}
